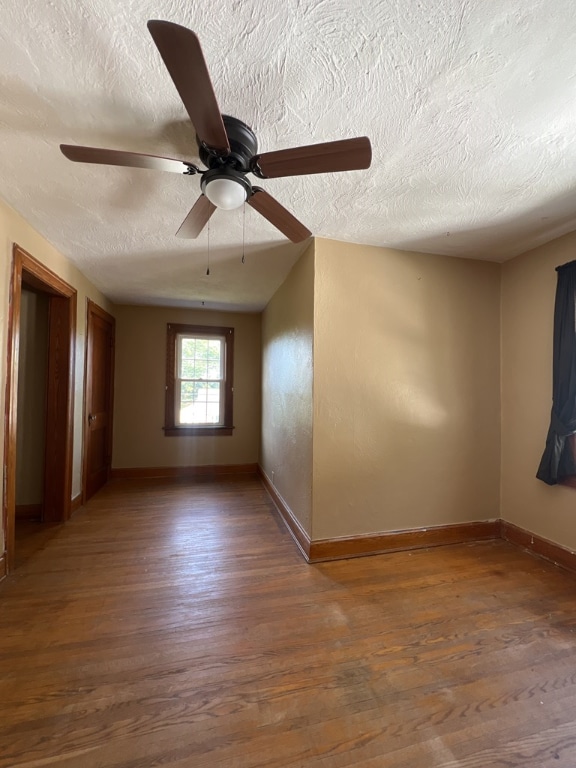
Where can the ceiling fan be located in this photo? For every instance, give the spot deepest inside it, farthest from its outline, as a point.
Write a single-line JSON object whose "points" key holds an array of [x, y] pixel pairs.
{"points": [[227, 146]]}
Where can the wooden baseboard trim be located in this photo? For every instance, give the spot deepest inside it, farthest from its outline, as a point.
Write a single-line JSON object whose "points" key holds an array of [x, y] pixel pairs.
{"points": [[539, 546], [298, 533], [211, 470], [3, 566], [28, 511], [76, 503], [398, 541], [320, 550]]}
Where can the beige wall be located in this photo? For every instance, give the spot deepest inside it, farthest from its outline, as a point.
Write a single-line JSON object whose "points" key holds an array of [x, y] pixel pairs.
{"points": [[32, 373], [528, 291], [406, 390], [287, 376], [140, 376], [14, 229]]}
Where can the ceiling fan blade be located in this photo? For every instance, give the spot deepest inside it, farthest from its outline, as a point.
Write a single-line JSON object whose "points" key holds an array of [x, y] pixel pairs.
{"points": [[197, 219], [182, 54], [276, 214], [130, 159], [344, 155]]}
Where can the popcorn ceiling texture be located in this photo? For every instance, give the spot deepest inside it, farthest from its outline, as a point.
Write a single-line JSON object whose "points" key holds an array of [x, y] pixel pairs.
{"points": [[470, 107]]}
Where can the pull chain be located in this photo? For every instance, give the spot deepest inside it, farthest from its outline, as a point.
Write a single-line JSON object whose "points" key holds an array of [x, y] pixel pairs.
{"points": [[244, 233], [208, 263]]}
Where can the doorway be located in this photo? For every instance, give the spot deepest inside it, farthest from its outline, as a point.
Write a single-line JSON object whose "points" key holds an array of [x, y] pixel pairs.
{"points": [[30, 274], [31, 411]]}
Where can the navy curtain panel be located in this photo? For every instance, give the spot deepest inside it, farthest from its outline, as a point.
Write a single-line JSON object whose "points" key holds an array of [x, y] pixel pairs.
{"points": [[558, 459]]}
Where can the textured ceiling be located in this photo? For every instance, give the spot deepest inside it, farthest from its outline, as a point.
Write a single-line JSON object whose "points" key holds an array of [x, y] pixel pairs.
{"points": [[470, 107]]}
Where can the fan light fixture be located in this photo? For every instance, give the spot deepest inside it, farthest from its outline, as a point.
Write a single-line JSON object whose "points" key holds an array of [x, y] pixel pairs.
{"points": [[226, 188], [226, 193]]}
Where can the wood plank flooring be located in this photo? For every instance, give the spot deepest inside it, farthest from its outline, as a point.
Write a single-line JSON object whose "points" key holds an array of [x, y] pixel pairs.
{"points": [[173, 624]]}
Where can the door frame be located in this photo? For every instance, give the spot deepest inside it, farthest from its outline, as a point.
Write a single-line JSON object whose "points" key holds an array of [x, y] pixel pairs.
{"points": [[59, 397], [95, 310]]}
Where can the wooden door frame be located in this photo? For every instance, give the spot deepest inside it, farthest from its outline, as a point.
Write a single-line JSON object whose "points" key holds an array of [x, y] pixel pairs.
{"points": [[95, 309], [27, 269]]}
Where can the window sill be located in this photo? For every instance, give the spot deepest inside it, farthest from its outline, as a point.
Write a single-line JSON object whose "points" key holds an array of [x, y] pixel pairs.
{"points": [[198, 431]]}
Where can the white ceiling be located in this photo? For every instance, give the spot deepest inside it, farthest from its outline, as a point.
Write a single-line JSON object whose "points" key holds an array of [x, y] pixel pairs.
{"points": [[470, 106]]}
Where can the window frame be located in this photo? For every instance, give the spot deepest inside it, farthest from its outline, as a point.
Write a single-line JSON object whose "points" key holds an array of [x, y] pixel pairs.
{"points": [[171, 428]]}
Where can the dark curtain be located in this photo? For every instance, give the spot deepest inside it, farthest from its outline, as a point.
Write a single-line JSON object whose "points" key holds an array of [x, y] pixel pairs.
{"points": [[558, 458]]}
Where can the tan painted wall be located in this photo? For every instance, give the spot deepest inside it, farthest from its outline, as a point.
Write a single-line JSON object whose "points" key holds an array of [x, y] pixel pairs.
{"points": [[14, 229], [287, 375], [528, 291], [32, 372], [406, 403], [140, 376]]}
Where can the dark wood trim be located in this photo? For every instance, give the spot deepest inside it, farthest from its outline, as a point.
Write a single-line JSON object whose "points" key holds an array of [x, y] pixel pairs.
{"points": [[40, 277], [171, 429], [288, 517], [539, 546], [59, 409], [96, 309], [69, 456], [28, 511], [93, 309], [398, 541], [2, 566], [320, 550], [11, 412], [208, 470], [26, 269], [76, 503], [196, 431]]}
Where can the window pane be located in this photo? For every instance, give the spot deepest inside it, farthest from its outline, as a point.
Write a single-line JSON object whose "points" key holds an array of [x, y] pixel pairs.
{"points": [[199, 402], [187, 369], [199, 369], [189, 392], [214, 359], [200, 358], [188, 347]]}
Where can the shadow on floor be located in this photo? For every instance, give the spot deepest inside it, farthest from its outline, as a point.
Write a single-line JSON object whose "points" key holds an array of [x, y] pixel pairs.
{"points": [[32, 536]]}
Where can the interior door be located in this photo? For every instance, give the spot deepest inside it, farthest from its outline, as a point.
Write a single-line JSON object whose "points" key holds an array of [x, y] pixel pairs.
{"points": [[100, 330]]}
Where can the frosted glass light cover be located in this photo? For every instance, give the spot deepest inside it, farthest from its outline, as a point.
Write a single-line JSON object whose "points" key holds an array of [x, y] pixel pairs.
{"points": [[225, 193]]}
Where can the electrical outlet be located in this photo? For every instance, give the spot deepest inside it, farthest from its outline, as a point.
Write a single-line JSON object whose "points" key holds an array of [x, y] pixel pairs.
{"points": [[272, 477]]}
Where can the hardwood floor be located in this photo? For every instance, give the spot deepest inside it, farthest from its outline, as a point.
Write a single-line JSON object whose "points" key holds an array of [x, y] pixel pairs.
{"points": [[173, 624], [32, 536]]}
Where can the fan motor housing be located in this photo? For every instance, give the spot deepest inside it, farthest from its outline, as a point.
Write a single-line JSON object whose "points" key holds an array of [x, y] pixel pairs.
{"points": [[243, 147]]}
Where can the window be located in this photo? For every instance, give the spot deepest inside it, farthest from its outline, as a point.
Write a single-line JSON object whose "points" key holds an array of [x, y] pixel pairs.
{"points": [[199, 366]]}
